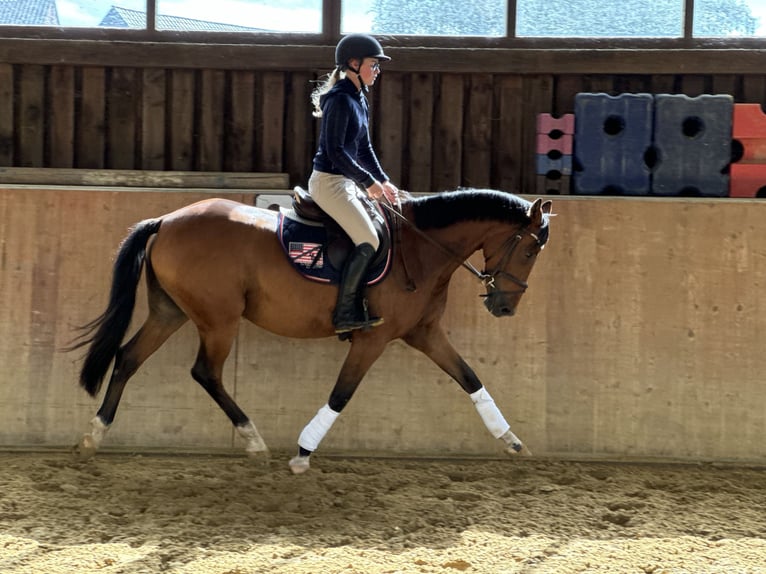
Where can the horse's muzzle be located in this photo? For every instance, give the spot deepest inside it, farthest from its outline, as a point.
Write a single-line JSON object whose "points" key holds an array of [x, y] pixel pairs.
{"points": [[499, 305]]}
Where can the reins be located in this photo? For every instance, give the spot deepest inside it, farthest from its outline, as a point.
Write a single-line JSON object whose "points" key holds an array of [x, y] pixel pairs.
{"points": [[488, 280]]}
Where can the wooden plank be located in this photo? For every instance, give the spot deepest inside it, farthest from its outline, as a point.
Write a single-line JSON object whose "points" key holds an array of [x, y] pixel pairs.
{"points": [[181, 129], [153, 100], [90, 119], [389, 115], [7, 122], [31, 126], [420, 157], [727, 84], [754, 89], [143, 178], [566, 88], [448, 133], [632, 84], [211, 123], [538, 98], [477, 147], [600, 83], [506, 133], [240, 133], [663, 84], [121, 118], [61, 92], [694, 85], [300, 144], [271, 122]]}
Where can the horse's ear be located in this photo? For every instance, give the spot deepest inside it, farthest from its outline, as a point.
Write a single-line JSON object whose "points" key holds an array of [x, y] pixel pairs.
{"points": [[535, 213], [537, 209]]}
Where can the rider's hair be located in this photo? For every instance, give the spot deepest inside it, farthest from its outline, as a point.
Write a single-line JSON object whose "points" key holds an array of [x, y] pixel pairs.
{"points": [[322, 89]]}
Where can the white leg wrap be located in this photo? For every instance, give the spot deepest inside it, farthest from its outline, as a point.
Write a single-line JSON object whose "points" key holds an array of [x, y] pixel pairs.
{"points": [[255, 442], [96, 435], [315, 431], [489, 413]]}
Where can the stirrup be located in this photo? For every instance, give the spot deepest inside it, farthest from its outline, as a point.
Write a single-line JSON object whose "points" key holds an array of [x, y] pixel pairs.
{"points": [[365, 324]]}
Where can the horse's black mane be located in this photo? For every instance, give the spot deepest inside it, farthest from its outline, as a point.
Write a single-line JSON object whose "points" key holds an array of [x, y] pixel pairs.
{"points": [[444, 209]]}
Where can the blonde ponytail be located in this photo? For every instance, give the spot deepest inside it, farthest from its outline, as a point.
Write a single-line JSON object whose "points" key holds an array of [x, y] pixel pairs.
{"points": [[323, 88]]}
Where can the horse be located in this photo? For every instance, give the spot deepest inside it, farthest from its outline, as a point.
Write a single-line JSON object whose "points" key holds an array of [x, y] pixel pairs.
{"points": [[216, 261]]}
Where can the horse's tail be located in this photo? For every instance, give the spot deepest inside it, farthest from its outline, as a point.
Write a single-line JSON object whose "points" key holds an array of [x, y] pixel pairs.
{"points": [[105, 333]]}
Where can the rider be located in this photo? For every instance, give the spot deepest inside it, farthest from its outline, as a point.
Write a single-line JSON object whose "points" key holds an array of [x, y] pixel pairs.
{"points": [[345, 162]]}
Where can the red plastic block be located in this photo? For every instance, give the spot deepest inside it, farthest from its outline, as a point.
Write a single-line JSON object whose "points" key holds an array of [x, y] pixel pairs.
{"points": [[749, 121], [546, 123], [747, 180], [749, 129], [563, 144]]}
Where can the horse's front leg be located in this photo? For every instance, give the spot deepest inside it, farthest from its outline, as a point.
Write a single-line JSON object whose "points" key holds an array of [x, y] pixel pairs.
{"points": [[364, 351], [433, 342]]}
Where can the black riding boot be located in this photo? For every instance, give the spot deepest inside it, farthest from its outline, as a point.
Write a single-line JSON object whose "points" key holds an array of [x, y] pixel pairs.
{"points": [[351, 309]]}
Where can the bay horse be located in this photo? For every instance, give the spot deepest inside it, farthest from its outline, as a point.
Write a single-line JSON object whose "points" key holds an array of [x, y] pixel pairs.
{"points": [[217, 260]]}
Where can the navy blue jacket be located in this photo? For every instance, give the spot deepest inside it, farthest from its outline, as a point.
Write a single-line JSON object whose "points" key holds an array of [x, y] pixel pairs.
{"points": [[344, 139]]}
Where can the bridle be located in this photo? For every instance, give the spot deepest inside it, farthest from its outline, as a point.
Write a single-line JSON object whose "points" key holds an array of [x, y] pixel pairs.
{"points": [[508, 247], [487, 278]]}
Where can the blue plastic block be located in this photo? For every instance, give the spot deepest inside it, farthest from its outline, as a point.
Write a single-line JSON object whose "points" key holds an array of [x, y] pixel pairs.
{"points": [[547, 163], [692, 137], [612, 137]]}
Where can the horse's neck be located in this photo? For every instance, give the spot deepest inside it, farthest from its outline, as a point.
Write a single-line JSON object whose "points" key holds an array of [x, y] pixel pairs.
{"points": [[446, 249]]}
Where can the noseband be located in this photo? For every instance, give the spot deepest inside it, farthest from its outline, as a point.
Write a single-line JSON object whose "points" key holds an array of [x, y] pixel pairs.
{"points": [[488, 278]]}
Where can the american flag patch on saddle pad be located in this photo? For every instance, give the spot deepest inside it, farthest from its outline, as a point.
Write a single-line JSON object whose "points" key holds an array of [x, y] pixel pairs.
{"points": [[306, 254], [305, 245]]}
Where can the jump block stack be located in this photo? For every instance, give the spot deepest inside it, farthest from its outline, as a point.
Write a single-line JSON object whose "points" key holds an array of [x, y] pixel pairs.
{"points": [[748, 173], [692, 139], [645, 144], [612, 137], [554, 153]]}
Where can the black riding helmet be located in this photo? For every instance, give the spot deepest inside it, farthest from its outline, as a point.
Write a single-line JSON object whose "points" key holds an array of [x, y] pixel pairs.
{"points": [[358, 46]]}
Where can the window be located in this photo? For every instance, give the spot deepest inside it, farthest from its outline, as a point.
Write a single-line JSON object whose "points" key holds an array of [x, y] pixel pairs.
{"points": [[600, 18], [729, 18], [240, 15], [175, 15], [447, 18], [426, 17]]}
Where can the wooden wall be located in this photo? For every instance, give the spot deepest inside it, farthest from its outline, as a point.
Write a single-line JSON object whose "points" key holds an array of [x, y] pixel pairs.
{"points": [[441, 118], [639, 337]]}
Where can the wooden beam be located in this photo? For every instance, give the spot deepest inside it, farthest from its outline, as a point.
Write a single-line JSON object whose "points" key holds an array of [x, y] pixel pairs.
{"points": [[142, 178], [572, 60]]}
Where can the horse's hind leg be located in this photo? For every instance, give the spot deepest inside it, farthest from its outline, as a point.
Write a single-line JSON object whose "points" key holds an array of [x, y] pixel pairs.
{"points": [[152, 334], [164, 319], [215, 346]]}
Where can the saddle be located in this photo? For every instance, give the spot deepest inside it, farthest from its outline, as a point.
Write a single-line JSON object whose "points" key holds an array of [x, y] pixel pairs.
{"points": [[324, 245]]}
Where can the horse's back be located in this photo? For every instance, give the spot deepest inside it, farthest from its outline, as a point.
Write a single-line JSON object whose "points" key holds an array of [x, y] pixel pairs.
{"points": [[211, 244], [220, 259]]}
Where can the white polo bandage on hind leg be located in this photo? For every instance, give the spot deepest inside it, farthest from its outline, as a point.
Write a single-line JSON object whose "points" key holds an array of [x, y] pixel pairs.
{"points": [[315, 431], [489, 413]]}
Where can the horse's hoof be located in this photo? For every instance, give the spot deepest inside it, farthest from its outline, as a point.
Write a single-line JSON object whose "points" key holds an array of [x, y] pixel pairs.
{"points": [[85, 449], [259, 456], [300, 464], [518, 449]]}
